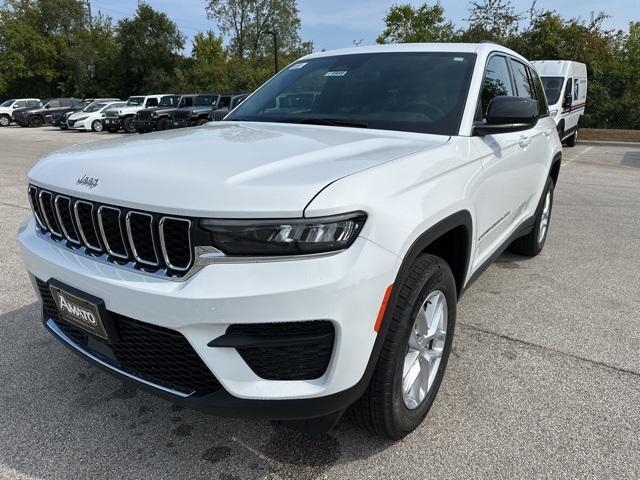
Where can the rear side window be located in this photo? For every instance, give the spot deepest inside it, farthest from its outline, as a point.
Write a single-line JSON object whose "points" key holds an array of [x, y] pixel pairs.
{"points": [[21, 104], [497, 81], [521, 80], [187, 102], [543, 107], [33, 103], [54, 103], [152, 102]]}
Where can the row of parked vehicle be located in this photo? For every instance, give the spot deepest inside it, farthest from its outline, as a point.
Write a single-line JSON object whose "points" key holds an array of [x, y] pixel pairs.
{"points": [[141, 113]]}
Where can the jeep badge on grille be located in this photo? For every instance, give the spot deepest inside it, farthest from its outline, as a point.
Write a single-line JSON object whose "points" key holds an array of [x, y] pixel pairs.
{"points": [[88, 181]]}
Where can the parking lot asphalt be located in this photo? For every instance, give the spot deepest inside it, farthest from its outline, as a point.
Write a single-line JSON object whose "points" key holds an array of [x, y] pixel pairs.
{"points": [[544, 380]]}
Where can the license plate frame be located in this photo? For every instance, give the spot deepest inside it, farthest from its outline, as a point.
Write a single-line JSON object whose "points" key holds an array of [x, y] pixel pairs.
{"points": [[83, 310]]}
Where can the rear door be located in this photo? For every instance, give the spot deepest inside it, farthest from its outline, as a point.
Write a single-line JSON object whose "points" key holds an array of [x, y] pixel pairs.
{"points": [[535, 143]]}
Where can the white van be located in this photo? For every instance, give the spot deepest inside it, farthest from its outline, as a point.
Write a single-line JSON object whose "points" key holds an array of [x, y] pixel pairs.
{"points": [[565, 84]]}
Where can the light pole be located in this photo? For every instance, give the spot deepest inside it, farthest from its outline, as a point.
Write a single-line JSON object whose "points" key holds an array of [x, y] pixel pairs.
{"points": [[275, 47]]}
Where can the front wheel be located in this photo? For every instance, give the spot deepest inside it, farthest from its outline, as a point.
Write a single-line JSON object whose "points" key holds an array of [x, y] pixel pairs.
{"points": [[572, 140], [163, 124], [532, 244], [414, 355], [202, 121], [35, 121], [96, 126], [128, 125], [5, 120]]}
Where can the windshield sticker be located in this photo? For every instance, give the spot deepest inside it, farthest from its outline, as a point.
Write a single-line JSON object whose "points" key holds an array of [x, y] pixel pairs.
{"points": [[297, 65], [336, 73], [458, 59]]}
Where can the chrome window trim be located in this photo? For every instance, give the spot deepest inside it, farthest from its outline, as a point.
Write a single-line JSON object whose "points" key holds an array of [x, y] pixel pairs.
{"points": [[35, 208], [163, 246], [132, 243], [56, 330], [44, 213], [81, 230], [104, 237], [76, 240]]}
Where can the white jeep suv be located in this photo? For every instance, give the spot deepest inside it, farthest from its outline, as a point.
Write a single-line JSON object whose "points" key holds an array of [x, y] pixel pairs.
{"points": [[305, 255]]}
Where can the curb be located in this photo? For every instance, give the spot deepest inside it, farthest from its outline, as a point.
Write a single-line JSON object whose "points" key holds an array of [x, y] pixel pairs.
{"points": [[608, 143]]}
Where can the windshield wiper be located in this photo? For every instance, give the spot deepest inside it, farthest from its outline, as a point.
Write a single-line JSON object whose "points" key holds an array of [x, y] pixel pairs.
{"points": [[332, 122]]}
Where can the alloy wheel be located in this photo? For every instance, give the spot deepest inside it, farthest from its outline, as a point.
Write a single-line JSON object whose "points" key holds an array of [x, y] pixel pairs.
{"points": [[425, 348], [544, 220]]}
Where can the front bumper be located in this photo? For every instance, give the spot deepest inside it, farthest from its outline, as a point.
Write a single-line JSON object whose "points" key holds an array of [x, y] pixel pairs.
{"points": [[111, 123], [183, 123], [345, 289]]}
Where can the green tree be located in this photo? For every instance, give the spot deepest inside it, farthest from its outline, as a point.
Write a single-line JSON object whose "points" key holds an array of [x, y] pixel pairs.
{"points": [[426, 23], [248, 21], [149, 52], [494, 20]]}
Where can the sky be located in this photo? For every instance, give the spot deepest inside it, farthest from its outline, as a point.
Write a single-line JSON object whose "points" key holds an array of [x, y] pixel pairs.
{"points": [[339, 23]]}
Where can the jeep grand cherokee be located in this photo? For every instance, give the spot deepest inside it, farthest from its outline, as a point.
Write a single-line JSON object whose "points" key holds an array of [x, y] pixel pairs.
{"points": [[306, 255]]}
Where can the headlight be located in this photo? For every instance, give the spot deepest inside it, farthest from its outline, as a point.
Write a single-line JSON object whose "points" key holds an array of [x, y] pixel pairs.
{"points": [[284, 237]]}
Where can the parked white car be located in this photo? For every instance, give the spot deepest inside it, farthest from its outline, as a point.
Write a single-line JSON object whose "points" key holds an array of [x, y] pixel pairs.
{"points": [[7, 108], [90, 118], [565, 84], [291, 262]]}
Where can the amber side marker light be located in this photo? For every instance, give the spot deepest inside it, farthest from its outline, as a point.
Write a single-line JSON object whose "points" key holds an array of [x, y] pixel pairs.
{"points": [[383, 308]]}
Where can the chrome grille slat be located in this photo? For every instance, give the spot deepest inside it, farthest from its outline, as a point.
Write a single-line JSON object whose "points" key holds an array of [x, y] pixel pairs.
{"points": [[46, 207], [149, 260], [111, 246], [153, 244], [88, 228], [65, 218], [175, 264], [35, 207]]}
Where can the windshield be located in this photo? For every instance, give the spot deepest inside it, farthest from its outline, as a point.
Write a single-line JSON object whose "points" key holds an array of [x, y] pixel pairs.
{"points": [[94, 107], [8, 103], [552, 88], [409, 91], [205, 100], [169, 101], [135, 101]]}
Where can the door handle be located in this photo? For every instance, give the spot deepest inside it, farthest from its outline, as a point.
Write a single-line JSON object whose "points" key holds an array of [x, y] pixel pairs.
{"points": [[524, 141]]}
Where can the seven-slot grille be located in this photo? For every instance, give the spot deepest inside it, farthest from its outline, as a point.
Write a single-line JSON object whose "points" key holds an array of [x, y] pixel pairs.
{"points": [[219, 115], [111, 114], [149, 241], [182, 115]]}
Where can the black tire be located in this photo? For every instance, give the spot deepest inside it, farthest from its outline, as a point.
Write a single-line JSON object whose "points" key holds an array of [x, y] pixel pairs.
{"points": [[96, 126], [35, 121], [572, 140], [128, 125], [5, 120], [532, 244], [560, 129], [163, 124], [382, 409], [202, 121]]}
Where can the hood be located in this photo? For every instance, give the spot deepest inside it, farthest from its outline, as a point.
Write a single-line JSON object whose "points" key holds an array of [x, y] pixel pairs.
{"points": [[130, 109], [158, 109], [224, 169]]}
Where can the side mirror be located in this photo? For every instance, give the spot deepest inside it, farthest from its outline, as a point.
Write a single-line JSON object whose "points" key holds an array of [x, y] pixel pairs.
{"points": [[508, 114], [568, 100]]}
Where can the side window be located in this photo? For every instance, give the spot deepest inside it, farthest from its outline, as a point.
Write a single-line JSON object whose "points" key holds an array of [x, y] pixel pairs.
{"points": [[521, 79], [55, 103], [543, 108], [20, 104], [497, 81], [33, 103], [187, 102], [152, 102], [568, 92]]}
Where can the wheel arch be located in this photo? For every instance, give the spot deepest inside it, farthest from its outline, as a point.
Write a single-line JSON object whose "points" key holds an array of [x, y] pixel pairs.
{"points": [[449, 239], [554, 171]]}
